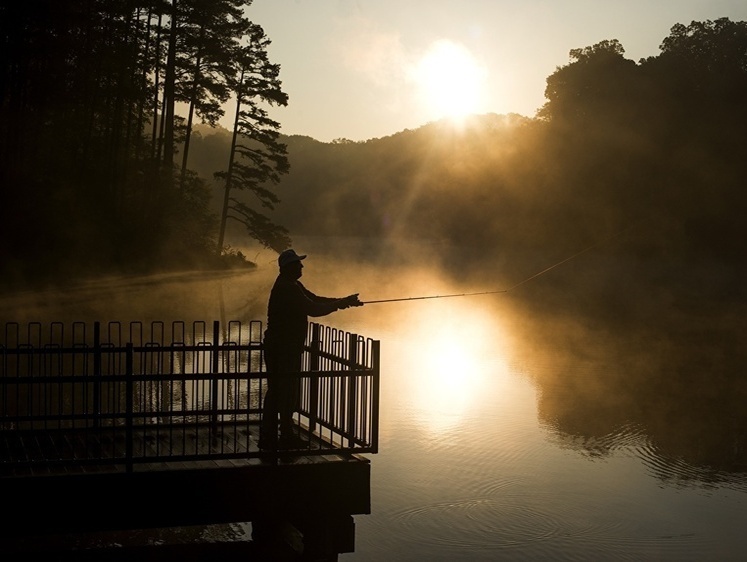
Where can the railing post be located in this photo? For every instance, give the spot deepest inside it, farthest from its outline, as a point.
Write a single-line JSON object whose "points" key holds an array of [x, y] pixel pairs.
{"points": [[314, 358], [129, 386], [352, 388], [96, 374], [376, 374], [214, 378]]}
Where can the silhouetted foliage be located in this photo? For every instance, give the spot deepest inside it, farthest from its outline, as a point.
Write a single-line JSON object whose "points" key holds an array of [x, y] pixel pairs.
{"points": [[89, 131]]}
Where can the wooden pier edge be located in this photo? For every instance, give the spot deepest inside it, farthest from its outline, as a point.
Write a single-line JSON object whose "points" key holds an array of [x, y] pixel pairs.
{"points": [[177, 498]]}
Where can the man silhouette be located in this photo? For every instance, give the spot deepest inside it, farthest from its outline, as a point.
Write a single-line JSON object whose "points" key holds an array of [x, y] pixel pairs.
{"points": [[288, 309]]}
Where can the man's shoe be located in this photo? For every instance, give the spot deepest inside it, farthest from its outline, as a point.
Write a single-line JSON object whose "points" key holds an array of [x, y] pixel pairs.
{"points": [[267, 443], [293, 442]]}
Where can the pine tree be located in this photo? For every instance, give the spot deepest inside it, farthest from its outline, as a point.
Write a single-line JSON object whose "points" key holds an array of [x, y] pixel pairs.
{"points": [[257, 158]]}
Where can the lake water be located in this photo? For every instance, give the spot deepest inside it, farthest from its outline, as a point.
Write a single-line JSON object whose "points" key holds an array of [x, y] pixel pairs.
{"points": [[510, 430]]}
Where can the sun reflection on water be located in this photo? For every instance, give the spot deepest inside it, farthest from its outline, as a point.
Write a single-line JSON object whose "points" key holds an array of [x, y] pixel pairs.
{"points": [[450, 364]]}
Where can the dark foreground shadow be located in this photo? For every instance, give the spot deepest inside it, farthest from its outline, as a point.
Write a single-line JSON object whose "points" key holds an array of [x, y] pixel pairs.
{"points": [[269, 541]]}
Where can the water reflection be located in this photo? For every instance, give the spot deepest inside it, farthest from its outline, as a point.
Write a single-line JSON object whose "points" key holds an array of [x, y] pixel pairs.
{"points": [[444, 362], [672, 392]]}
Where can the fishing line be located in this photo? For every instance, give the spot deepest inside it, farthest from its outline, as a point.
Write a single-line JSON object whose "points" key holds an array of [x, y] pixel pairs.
{"points": [[534, 276]]}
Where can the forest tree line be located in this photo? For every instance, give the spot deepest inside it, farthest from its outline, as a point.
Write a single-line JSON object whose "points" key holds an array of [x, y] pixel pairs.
{"points": [[659, 142], [659, 145]]}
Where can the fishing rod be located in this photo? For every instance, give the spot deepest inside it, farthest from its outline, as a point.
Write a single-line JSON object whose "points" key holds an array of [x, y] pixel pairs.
{"points": [[534, 276], [435, 297]]}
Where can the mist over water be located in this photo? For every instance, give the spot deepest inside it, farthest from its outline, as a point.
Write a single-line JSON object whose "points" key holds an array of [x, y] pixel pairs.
{"points": [[588, 414]]}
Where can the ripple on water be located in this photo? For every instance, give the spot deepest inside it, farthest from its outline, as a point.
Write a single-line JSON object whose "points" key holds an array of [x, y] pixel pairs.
{"points": [[633, 439], [530, 526], [679, 472], [506, 518]]}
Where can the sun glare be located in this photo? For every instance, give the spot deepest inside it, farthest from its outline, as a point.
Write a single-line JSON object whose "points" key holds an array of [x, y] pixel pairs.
{"points": [[450, 81], [449, 365]]}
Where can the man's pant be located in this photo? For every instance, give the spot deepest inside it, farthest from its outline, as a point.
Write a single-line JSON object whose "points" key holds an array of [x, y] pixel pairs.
{"points": [[282, 396]]}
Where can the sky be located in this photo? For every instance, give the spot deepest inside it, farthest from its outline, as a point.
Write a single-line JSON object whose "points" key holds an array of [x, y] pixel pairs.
{"points": [[363, 69]]}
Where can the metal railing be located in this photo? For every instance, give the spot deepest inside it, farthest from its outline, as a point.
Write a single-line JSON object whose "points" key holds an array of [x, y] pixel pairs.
{"points": [[340, 389], [146, 393]]}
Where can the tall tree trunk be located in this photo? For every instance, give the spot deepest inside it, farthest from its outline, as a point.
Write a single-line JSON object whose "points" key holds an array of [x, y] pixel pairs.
{"points": [[169, 93], [187, 136], [140, 125], [155, 153], [190, 117], [229, 173], [161, 128]]}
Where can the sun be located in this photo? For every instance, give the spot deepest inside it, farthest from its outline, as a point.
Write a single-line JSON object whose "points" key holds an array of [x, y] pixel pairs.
{"points": [[450, 81]]}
